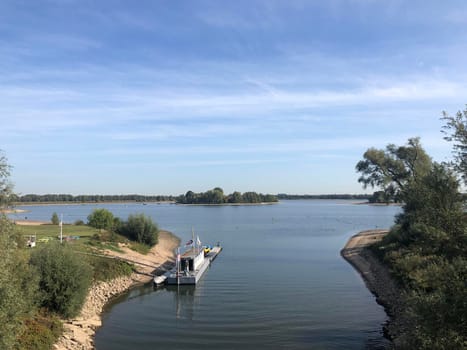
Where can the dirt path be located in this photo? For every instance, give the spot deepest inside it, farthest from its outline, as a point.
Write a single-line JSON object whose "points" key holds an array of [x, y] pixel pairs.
{"points": [[79, 332]]}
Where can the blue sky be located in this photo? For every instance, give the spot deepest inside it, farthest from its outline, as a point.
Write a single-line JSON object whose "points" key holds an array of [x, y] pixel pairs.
{"points": [[161, 97]]}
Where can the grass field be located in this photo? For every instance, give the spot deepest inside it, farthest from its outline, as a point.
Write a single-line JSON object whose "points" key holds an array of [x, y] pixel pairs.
{"points": [[54, 230], [48, 233], [89, 237]]}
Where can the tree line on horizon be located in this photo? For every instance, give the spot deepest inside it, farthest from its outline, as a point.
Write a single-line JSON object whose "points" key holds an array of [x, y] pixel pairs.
{"points": [[68, 198], [217, 196], [426, 250]]}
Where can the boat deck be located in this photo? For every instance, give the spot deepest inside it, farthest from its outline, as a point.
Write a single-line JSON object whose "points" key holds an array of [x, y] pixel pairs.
{"points": [[214, 253], [188, 277]]}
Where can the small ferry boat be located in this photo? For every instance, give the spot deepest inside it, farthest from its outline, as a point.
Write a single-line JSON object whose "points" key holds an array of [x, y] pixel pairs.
{"points": [[191, 265]]}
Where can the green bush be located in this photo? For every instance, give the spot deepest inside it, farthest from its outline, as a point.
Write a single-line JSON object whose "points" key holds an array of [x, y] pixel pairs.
{"points": [[438, 311], [18, 285], [141, 229], [40, 332], [55, 220], [106, 269], [101, 219], [64, 278]]}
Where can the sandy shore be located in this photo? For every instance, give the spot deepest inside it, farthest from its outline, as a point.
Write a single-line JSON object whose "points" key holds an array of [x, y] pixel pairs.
{"points": [[79, 332], [377, 278], [12, 211], [30, 222]]}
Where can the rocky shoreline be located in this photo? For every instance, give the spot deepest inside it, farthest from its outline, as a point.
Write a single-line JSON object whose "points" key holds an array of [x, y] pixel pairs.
{"points": [[78, 333], [377, 279]]}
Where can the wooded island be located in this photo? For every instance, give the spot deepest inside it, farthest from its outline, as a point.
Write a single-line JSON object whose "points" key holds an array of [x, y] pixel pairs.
{"points": [[216, 196]]}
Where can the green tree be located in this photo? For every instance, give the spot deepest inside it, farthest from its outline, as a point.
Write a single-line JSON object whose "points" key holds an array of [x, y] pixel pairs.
{"points": [[425, 251], [391, 169], [18, 284], [64, 278], [269, 198], [190, 197], [141, 228], [433, 216], [456, 131], [379, 197], [6, 186], [215, 196], [251, 197], [235, 197], [55, 220], [101, 219]]}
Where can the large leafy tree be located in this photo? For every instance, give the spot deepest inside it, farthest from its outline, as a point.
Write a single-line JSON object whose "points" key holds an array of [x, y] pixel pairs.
{"points": [[456, 132], [425, 251], [391, 169], [432, 216]]}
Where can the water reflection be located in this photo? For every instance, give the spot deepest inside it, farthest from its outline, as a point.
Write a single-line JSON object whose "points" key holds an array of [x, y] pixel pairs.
{"points": [[185, 300], [186, 297]]}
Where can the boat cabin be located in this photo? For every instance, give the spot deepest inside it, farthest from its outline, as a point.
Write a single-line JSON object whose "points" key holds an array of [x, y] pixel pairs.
{"points": [[192, 259]]}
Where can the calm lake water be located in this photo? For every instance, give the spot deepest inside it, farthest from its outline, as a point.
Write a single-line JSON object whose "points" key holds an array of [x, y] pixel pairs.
{"points": [[279, 283]]}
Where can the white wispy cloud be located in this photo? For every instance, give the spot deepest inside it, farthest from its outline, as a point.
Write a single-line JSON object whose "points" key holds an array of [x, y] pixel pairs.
{"points": [[258, 84], [51, 109]]}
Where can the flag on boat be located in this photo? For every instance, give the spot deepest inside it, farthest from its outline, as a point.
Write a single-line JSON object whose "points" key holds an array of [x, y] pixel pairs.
{"points": [[189, 242]]}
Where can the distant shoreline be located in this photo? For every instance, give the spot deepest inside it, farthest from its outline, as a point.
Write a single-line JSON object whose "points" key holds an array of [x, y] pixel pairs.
{"points": [[380, 204], [228, 204], [12, 209], [18, 204]]}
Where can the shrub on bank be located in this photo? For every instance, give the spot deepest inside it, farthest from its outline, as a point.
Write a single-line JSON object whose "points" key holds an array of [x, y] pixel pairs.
{"points": [[40, 332], [106, 269], [64, 278], [18, 285], [102, 219], [140, 228]]}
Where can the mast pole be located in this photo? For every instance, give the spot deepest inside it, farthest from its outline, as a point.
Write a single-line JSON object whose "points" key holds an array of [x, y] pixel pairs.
{"points": [[178, 266], [61, 228], [193, 238]]}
